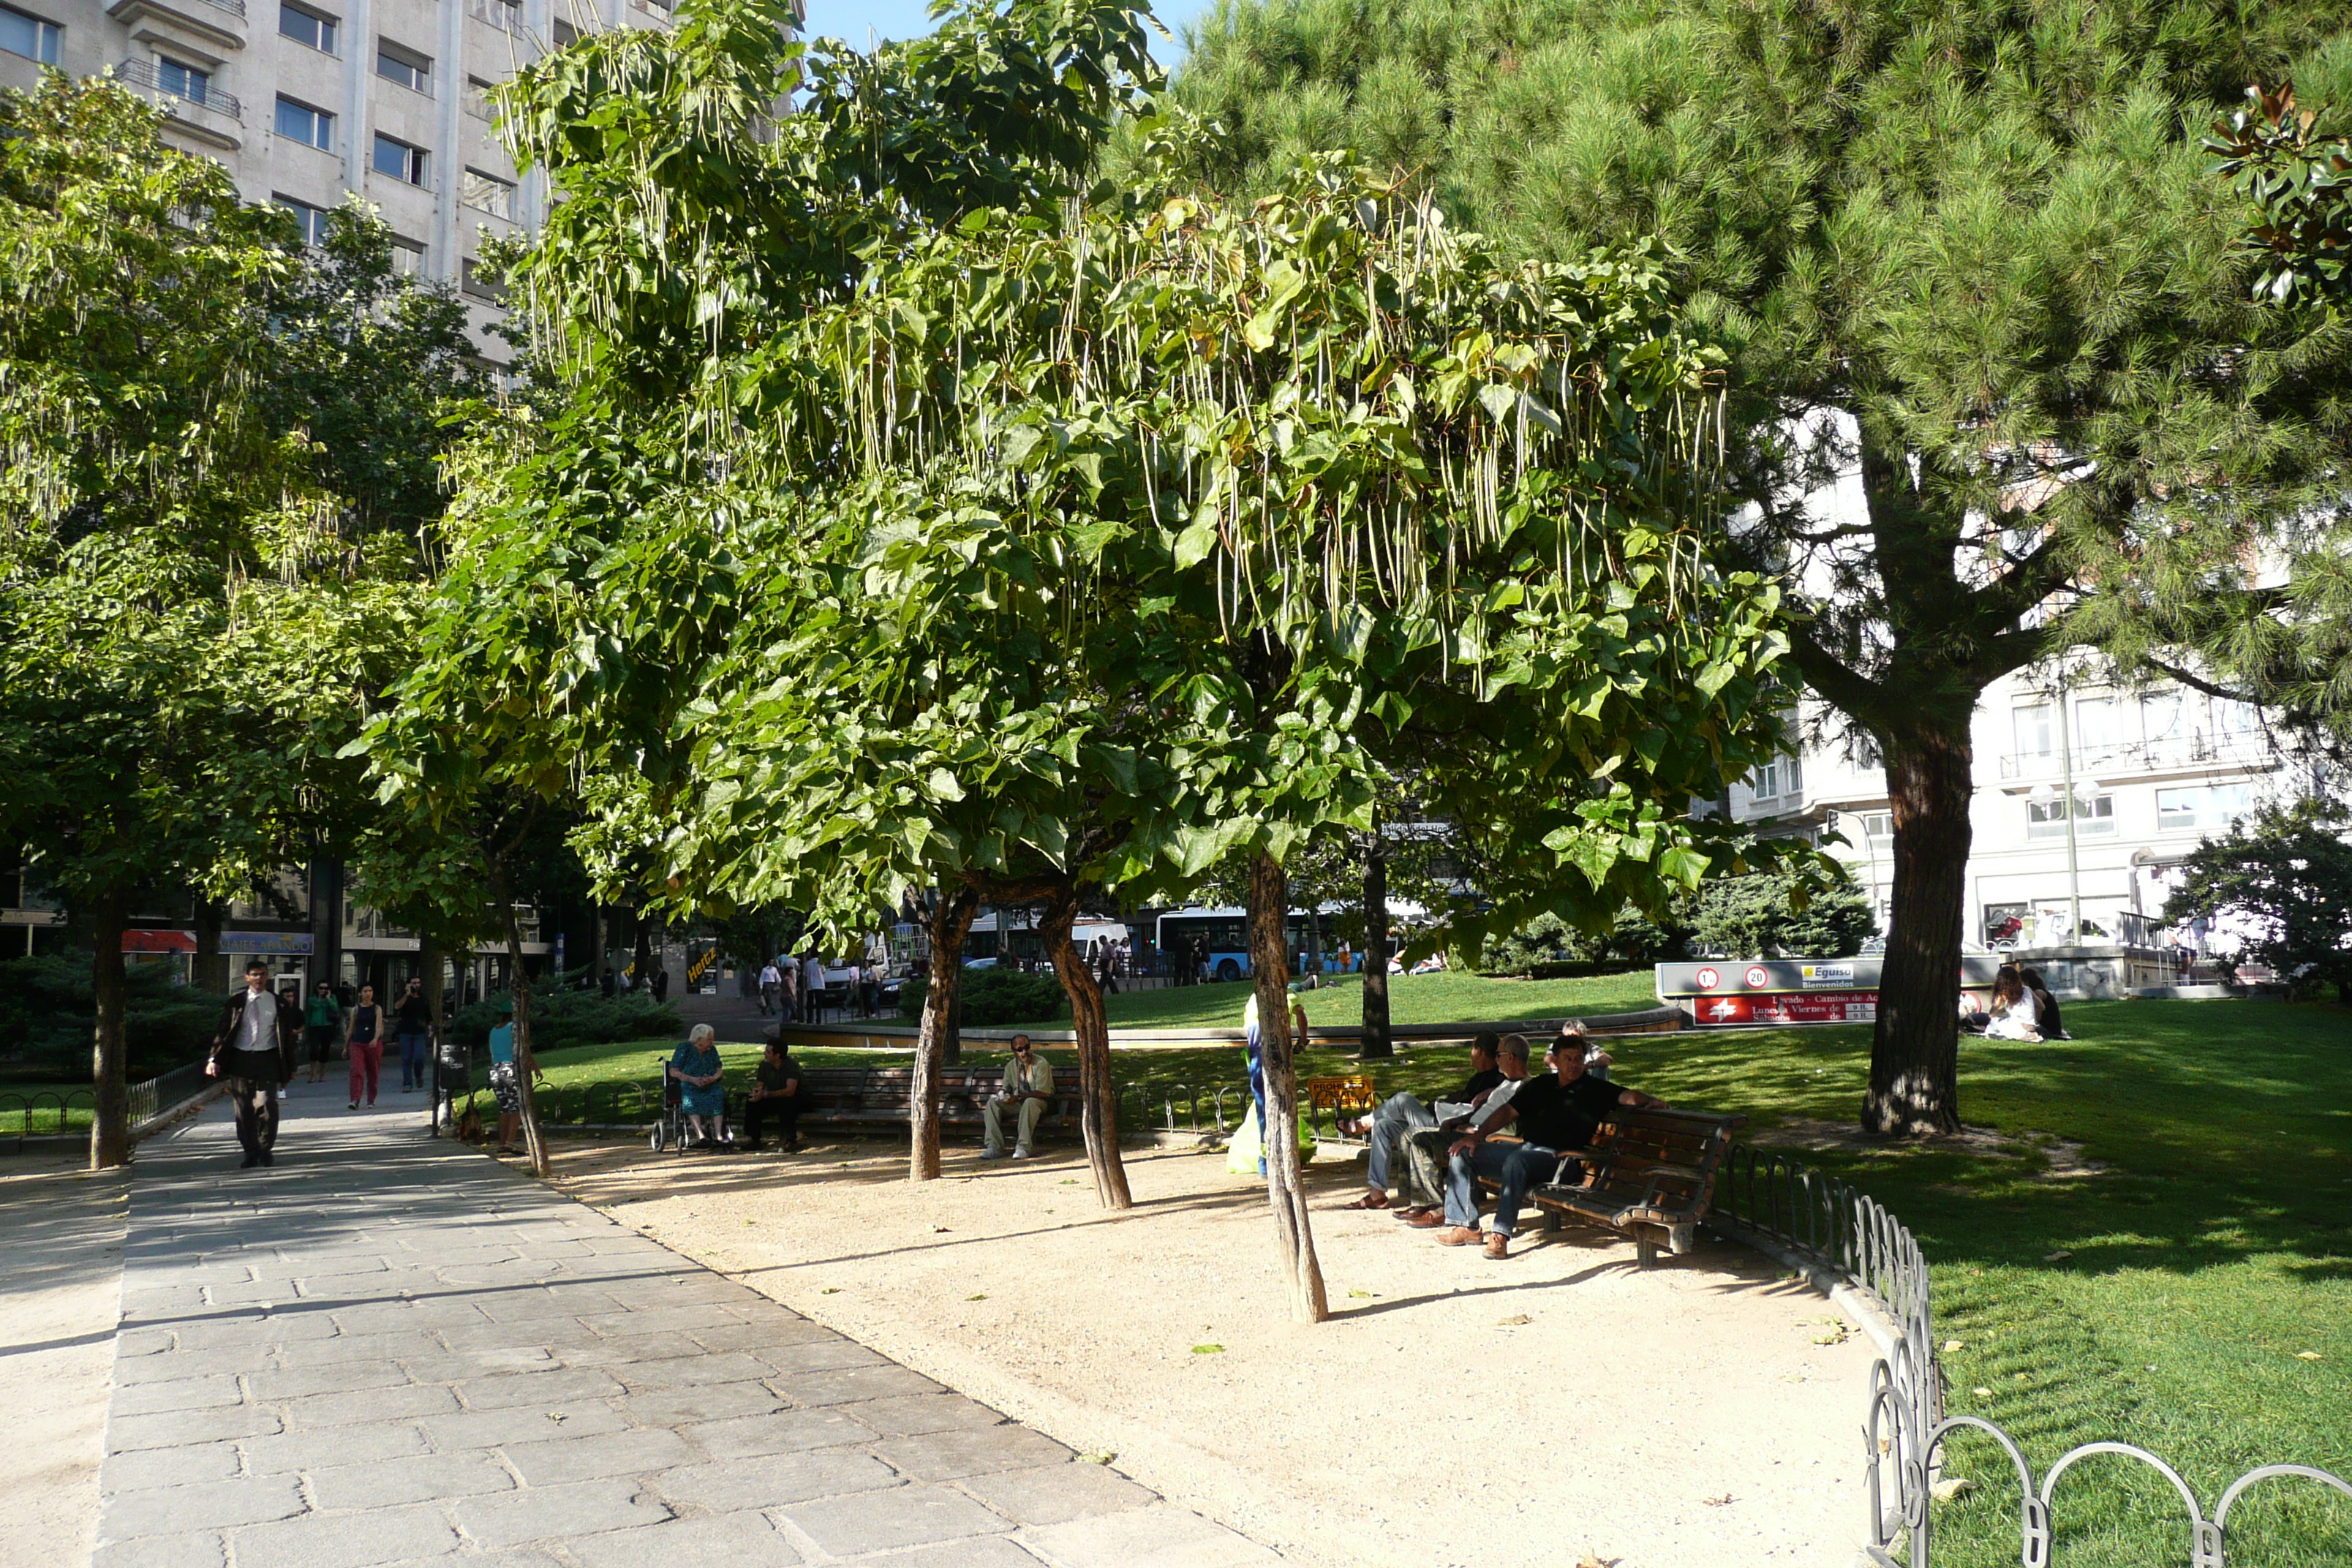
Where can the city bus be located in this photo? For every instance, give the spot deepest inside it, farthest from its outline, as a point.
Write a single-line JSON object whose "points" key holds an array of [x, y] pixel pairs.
{"points": [[1225, 932]]}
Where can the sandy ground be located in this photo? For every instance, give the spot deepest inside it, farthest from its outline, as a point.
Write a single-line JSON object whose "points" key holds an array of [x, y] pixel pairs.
{"points": [[60, 1292], [1457, 1413]]}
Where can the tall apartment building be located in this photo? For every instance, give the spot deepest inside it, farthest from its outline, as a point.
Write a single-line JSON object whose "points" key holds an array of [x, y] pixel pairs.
{"points": [[307, 101]]}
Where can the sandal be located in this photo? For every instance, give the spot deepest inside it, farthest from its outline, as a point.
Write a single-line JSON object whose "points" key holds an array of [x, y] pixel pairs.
{"points": [[1368, 1200]]}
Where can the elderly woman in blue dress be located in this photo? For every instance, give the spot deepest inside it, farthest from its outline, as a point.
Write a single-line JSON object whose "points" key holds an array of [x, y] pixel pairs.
{"points": [[695, 1067]]}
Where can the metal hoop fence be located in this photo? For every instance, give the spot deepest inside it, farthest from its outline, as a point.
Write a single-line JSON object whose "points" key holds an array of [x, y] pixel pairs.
{"points": [[1829, 1223]]}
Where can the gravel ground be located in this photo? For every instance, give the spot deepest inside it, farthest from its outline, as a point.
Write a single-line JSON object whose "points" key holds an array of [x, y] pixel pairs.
{"points": [[1456, 1412]]}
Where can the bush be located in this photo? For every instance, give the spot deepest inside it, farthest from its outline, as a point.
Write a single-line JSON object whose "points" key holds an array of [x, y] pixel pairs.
{"points": [[561, 1018], [1547, 942], [1757, 917], [49, 1006], [994, 997]]}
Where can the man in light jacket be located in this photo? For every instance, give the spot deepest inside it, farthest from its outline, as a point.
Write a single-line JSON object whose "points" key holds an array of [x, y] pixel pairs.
{"points": [[1029, 1085], [253, 1048]]}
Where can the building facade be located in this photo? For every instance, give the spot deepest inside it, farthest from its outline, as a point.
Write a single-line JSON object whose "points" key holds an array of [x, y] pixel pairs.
{"points": [[310, 101], [2149, 774]]}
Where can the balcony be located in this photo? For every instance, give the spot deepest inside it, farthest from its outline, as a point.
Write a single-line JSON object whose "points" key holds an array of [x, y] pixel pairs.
{"points": [[2184, 755], [208, 114], [217, 22]]}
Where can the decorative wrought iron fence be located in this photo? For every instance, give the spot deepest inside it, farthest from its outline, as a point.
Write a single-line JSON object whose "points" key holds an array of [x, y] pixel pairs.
{"points": [[1177, 1107], [40, 1112], [1829, 1223]]}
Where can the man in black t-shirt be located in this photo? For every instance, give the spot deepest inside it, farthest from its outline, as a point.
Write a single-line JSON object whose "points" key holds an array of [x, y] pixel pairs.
{"points": [[1401, 1113], [412, 1018], [1561, 1109]]}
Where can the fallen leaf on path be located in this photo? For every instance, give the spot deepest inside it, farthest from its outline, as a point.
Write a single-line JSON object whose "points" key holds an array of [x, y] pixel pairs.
{"points": [[2307, 1356], [1836, 1336], [1594, 1560], [1361, 1295], [1981, 1393], [1723, 1501], [1951, 1487], [978, 1296], [1955, 1344], [1208, 1350], [830, 1290], [939, 1230], [1513, 1320], [2058, 1257], [1100, 1456]]}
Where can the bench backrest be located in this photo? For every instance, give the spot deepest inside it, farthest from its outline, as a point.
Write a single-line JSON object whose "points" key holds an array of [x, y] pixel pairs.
{"points": [[1633, 1148], [892, 1089]]}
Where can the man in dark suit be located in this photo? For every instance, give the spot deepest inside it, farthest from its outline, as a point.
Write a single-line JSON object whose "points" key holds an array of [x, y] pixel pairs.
{"points": [[253, 1050]]}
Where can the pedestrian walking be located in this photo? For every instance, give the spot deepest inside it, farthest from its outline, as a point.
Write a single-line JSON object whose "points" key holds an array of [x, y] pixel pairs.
{"points": [[772, 990], [253, 1050], [364, 1045], [412, 1019], [789, 973], [321, 1022]]}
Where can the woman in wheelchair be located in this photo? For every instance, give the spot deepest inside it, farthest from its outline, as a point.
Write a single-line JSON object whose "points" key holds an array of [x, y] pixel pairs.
{"points": [[693, 1068]]}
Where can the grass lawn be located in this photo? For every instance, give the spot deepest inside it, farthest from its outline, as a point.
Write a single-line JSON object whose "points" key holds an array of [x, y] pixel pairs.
{"points": [[2171, 1299], [1443, 998], [40, 1102]]}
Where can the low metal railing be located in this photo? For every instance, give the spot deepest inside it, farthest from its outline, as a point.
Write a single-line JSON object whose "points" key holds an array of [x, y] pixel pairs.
{"points": [[1831, 1224], [154, 1096], [41, 1112], [1177, 1107]]}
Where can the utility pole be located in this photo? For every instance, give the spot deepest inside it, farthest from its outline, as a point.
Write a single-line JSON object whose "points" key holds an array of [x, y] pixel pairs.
{"points": [[2066, 800]]}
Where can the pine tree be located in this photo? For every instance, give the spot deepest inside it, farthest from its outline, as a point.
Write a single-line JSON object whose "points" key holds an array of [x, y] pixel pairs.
{"points": [[1964, 254]]}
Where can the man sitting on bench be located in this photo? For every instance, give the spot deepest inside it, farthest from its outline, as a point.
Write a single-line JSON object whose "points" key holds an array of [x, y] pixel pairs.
{"points": [[1404, 1112], [1029, 1084], [1423, 1189], [1560, 1110]]}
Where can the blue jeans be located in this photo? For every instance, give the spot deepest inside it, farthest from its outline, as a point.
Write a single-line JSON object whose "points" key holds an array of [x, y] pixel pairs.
{"points": [[1398, 1115], [412, 1061], [1514, 1166]]}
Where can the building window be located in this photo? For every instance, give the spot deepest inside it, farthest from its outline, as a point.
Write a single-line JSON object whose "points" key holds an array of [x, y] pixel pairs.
{"points": [[310, 220], [2162, 713], [481, 282], [566, 34], [407, 257], [506, 18], [2097, 725], [1764, 783], [399, 159], [478, 99], [301, 122], [652, 7], [2036, 738], [1877, 827], [2202, 807], [306, 26], [488, 192], [406, 66], [28, 35], [2234, 719], [2047, 818], [181, 79]]}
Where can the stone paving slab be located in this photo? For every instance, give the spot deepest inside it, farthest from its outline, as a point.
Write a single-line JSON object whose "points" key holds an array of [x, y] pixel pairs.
{"points": [[386, 1349]]}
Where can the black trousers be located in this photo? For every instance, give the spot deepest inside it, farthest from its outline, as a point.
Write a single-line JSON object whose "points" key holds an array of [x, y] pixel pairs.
{"points": [[784, 1113], [256, 1101]]}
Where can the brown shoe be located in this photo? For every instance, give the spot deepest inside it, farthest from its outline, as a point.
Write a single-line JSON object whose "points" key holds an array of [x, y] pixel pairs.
{"points": [[1457, 1235], [1498, 1247], [1425, 1219], [1369, 1200]]}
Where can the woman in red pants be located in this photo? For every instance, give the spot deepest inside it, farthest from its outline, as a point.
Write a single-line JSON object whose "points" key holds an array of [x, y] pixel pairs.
{"points": [[366, 1045]]}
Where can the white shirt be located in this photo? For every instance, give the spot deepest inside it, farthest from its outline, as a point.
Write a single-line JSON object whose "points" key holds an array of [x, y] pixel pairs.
{"points": [[769, 976], [258, 1029], [813, 973]]}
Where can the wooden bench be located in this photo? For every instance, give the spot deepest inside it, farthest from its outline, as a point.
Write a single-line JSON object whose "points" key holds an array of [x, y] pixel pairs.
{"points": [[1648, 1175], [883, 1096]]}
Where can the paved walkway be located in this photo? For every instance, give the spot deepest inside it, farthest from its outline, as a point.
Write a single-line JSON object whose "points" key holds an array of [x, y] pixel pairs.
{"points": [[386, 1350]]}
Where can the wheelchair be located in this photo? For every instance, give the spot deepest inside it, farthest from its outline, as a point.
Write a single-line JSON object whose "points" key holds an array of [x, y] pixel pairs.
{"points": [[669, 1129]]}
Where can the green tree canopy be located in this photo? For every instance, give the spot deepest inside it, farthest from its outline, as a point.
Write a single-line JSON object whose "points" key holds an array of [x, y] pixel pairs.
{"points": [[1965, 258], [2285, 874], [189, 609]]}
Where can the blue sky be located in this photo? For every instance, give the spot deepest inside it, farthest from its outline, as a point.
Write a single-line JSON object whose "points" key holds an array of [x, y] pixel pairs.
{"points": [[851, 19]]}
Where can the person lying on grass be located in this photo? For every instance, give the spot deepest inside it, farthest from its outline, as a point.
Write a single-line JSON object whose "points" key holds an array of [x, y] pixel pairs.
{"points": [[1560, 1110], [1404, 1112]]}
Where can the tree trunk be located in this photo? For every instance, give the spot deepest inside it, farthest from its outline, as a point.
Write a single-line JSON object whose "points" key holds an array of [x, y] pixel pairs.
{"points": [[1314, 945], [1915, 1048], [950, 920], [208, 969], [1376, 1045], [109, 1121], [519, 987], [1270, 906], [952, 1033], [641, 962], [1097, 1096]]}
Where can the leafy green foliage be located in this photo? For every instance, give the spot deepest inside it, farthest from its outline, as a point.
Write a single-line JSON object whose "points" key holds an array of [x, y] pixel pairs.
{"points": [[560, 1017], [1547, 944], [2287, 872], [1776, 917], [2297, 174], [46, 1002]]}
